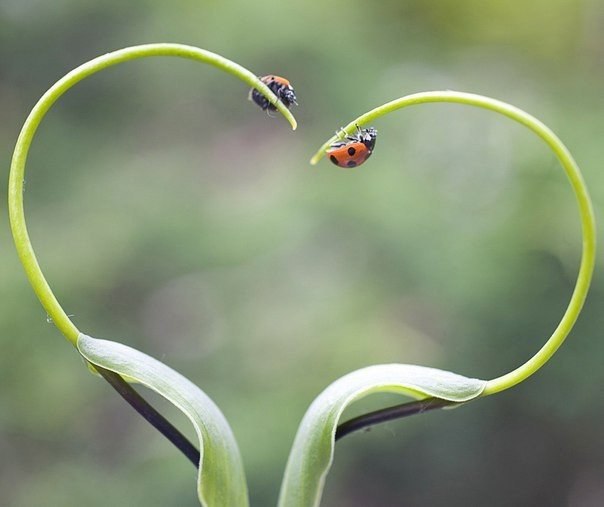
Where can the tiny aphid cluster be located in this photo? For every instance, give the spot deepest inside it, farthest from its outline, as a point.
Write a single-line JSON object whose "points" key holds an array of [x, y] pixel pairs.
{"points": [[352, 151]]}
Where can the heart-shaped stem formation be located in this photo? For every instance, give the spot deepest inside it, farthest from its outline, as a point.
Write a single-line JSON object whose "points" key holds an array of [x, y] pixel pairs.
{"points": [[55, 312], [588, 226]]}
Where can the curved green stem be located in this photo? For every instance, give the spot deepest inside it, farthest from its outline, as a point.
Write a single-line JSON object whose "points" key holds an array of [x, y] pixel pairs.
{"points": [[576, 180], [17, 172]]}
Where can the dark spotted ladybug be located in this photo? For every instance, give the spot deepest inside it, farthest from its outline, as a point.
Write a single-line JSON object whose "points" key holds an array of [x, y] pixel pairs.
{"points": [[280, 87], [353, 150]]}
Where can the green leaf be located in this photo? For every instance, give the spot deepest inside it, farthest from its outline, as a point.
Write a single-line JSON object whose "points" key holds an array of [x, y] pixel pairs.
{"points": [[221, 479], [312, 453]]}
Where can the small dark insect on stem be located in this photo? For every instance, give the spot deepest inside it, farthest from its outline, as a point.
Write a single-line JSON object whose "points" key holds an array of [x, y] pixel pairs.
{"points": [[390, 414], [158, 421]]}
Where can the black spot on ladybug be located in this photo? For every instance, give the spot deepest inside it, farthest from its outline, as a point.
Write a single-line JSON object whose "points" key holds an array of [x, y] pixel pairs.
{"points": [[351, 151], [334, 159], [351, 163]]}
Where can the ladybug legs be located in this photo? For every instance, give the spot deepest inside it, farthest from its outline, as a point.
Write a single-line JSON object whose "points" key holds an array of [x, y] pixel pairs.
{"points": [[343, 139], [341, 133], [343, 136]]}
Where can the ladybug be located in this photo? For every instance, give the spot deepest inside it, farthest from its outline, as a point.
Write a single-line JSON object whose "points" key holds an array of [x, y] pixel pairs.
{"points": [[280, 87], [353, 150]]}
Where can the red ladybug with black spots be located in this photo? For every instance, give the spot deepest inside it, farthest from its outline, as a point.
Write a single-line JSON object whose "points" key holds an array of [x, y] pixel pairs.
{"points": [[353, 150], [280, 87]]}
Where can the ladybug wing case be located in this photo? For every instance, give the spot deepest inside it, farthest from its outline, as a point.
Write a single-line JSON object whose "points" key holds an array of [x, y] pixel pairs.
{"points": [[351, 154]]}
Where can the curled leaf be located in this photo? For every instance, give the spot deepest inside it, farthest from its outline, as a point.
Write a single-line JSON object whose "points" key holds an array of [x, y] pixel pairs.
{"points": [[312, 453], [221, 479]]}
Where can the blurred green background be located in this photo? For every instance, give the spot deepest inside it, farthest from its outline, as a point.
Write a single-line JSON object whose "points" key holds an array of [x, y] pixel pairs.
{"points": [[171, 214]]}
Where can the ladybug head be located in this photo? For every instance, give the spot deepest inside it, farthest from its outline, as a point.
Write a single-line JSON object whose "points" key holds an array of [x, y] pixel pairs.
{"points": [[368, 137], [287, 96]]}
